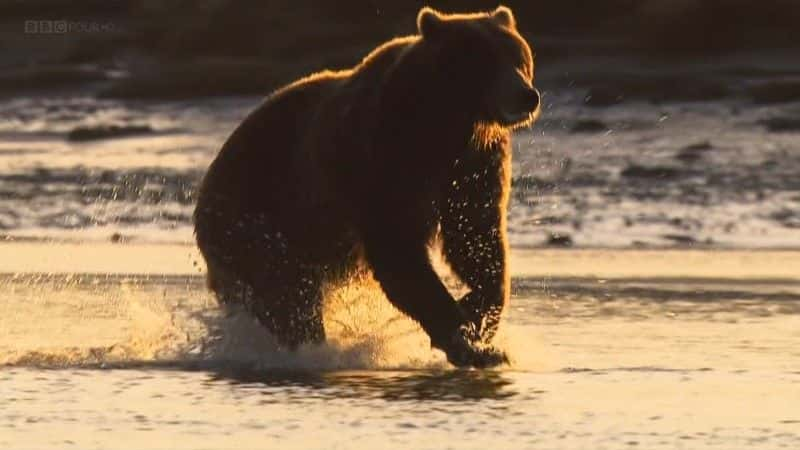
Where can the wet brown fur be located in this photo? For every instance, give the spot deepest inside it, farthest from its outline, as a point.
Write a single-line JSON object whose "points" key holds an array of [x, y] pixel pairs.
{"points": [[357, 169]]}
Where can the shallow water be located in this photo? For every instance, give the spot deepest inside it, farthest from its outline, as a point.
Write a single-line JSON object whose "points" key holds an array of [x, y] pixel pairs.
{"points": [[415, 409], [105, 345], [135, 361], [640, 174]]}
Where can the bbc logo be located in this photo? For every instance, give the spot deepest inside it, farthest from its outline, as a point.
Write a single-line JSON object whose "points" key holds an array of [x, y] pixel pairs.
{"points": [[65, 26], [46, 26]]}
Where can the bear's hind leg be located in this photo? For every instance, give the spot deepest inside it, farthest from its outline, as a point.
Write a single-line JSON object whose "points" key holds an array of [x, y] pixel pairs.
{"points": [[291, 310], [229, 289]]}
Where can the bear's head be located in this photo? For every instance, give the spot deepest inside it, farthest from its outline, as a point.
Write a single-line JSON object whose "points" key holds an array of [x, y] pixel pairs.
{"points": [[485, 62]]}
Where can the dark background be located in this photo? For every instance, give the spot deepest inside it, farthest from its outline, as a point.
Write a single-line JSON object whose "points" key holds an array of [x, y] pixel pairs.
{"points": [[183, 49]]}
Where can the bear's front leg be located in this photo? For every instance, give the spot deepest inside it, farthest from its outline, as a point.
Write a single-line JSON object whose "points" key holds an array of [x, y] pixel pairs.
{"points": [[479, 259], [474, 235], [400, 262]]}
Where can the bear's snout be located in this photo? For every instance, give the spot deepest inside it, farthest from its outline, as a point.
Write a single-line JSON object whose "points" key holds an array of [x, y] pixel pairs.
{"points": [[530, 99], [522, 108]]}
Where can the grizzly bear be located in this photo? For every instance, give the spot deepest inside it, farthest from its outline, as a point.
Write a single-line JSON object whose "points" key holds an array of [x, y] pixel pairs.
{"points": [[362, 169]]}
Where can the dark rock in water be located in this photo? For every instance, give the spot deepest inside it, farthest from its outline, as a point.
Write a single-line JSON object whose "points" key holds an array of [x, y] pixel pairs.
{"points": [[781, 124], [776, 91], [119, 238], [683, 239], [589, 126], [659, 172], [559, 240], [107, 132], [700, 146], [693, 152], [787, 217]]}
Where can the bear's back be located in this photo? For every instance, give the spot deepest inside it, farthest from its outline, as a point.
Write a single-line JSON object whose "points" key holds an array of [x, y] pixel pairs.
{"points": [[279, 161], [258, 156]]}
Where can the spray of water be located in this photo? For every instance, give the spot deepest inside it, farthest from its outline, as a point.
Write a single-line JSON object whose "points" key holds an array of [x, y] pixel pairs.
{"points": [[125, 324]]}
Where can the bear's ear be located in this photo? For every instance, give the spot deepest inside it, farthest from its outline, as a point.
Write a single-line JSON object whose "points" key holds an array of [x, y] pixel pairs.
{"points": [[504, 17], [429, 22]]}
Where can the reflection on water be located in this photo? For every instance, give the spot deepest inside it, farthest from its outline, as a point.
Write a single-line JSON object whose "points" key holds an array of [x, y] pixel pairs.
{"points": [[123, 361], [174, 406], [458, 385]]}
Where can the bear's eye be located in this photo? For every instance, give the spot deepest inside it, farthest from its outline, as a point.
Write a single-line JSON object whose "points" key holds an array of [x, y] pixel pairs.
{"points": [[523, 73]]}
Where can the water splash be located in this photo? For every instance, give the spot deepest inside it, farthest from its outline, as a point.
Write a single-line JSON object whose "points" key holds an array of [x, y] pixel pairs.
{"points": [[129, 321]]}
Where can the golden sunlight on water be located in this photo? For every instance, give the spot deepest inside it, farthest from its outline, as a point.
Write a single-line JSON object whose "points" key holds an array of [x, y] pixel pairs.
{"points": [[121, 346]]}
